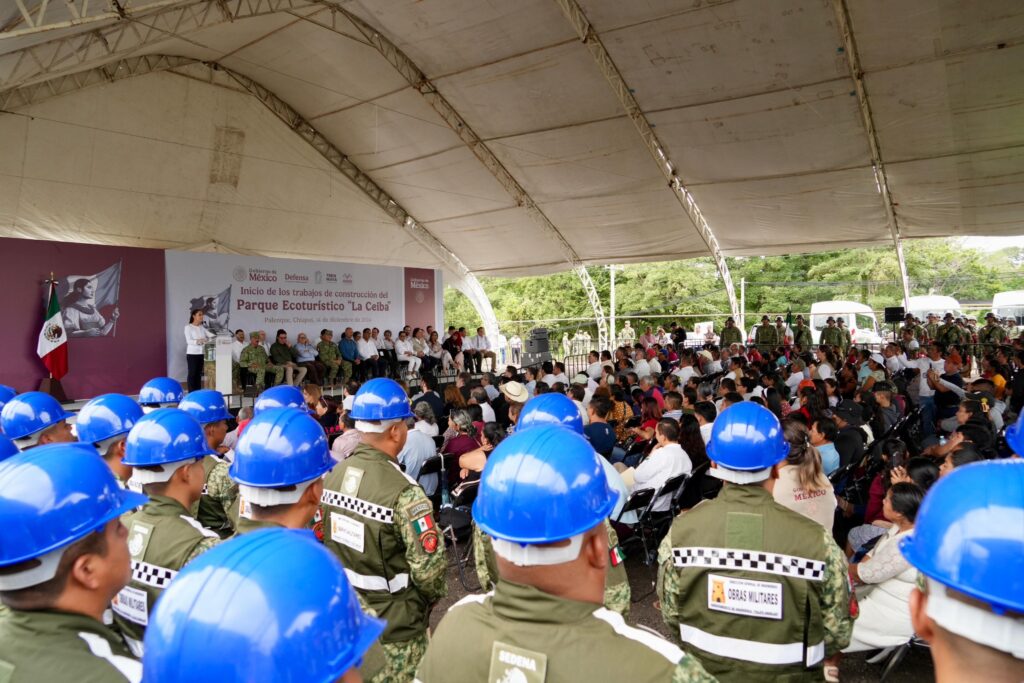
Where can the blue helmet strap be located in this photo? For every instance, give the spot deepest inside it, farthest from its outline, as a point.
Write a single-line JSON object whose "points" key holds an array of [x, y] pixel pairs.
{"points": [[538, 555], [975, 621]]}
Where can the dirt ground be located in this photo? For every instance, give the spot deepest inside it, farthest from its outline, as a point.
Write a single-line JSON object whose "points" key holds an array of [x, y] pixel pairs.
{"points": [[915, 668]]}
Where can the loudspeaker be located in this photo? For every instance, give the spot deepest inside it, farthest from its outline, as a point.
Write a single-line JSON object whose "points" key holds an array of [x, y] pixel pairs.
{"points": [[895, 314], [537, 342]]}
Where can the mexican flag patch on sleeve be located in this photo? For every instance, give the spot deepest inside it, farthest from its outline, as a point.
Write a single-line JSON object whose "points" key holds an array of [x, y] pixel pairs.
{"points": [[618, 557], [423, 524]]}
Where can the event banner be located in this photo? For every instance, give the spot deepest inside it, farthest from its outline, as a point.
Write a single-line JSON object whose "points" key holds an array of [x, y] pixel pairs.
{"points": [[107, 296], [253, 293]]}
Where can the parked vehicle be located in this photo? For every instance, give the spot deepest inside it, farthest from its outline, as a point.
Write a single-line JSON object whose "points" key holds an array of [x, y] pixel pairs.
{"points": [[860, 320], [1010, 305], [921, 306]]}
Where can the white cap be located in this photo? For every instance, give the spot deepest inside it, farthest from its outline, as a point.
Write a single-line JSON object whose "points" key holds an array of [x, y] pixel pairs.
{"points": [[878, 358]]}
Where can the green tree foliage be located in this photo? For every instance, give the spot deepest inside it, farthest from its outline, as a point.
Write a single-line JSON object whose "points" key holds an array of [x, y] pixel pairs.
{"points": [[692, 288]]}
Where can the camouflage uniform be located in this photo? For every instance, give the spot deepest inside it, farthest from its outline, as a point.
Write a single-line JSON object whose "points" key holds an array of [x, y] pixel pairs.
{"points": [[379, 522], [831, 336], [730, 335], [847, 341], [255, 358], [766, 337], [330, 356], [744, 539], [991, 336], [616, 587], [931, 331], [217, 508], [802, 336]]}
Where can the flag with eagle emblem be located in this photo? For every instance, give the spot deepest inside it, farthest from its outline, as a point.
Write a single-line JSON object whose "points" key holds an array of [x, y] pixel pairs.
{"points": [[53, 339]]}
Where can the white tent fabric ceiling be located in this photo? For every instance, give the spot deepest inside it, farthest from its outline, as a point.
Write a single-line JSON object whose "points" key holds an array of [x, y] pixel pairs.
{"points": [[752, 100]]}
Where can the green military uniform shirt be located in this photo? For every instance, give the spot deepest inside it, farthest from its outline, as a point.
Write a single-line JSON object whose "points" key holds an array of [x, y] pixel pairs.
{"points": [[616, 587], [847, 341], [214, 509], [831, 336], [802, 336], [59, 647], [948, 333], [754, 590], [931, 331], [525, 635], [730, 335], [162, 538], [330, 356], [991, 336], [255, 358], [766, 337], [380, 523]]}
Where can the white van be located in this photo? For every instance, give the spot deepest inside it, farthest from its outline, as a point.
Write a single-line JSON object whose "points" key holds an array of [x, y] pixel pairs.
{"points": [[860, 320], [921, 306], [1009, 305]]}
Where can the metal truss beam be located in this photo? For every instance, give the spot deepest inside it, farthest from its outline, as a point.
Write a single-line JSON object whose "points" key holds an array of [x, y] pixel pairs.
{"points": [[466, 281], [109, 43], [589, 37], [61, 85], [48, 15], [418, 80], [881, 179]]}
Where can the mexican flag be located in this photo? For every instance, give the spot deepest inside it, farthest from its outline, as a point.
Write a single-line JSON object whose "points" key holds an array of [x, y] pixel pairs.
{"points": [[53, 339]]}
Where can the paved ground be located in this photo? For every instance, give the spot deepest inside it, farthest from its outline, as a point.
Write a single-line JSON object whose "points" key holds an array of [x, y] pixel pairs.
{"points": [[916, 668]]}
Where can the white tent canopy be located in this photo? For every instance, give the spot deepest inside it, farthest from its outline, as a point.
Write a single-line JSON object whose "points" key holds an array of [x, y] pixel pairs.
{"points": [[511, 152]]}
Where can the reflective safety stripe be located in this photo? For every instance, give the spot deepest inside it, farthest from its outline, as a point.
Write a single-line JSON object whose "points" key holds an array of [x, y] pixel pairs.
{"points": [[752, 650], [99, 647], [151, 574], [377, 583], [364, 508], [749, 560]]}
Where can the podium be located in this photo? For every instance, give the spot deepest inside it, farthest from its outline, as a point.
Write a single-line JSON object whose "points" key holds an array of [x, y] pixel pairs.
{"points": [[217, 366]]}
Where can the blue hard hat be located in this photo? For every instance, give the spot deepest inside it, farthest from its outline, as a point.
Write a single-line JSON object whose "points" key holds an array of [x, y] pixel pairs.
{"points": [[281, 396], [236, 614], [107, 416], [6, 394], [160, 390], [969, 533], [7, 448], [1015, 435], [163, 436], [551, 409], [747, 437], [31, 412], [54, 495], [542, 485], [281, 447], [381, 399], [206, 406]]}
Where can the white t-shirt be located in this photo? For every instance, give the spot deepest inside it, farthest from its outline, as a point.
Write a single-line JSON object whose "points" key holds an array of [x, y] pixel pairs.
{"points": [[236, 350], [825, 371], [195, 337], [819, 505], [594, 370], [404, 349], [925, 364], [655, 366], [488, 412], [552, 378], [705, 432], [685, 373], [661, 465], [642, 368]]}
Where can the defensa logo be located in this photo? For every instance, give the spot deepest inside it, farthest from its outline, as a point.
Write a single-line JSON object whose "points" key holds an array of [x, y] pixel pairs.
{"points": [[292, 277]]}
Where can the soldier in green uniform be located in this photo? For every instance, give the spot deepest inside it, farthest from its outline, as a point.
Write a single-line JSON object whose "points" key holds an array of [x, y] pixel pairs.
{"points": [[380, 523], [847, 341], [802, 334], [104, 422], [766, 336], [949, 332], [931, 330], [330, 355], [62, 567], [831, 335], [544, 499], [166, 450], [730, 334], [992, 334], [755, 590], [255, 358], [207, 406], [560, 410], [910, 324], [271, 606]]}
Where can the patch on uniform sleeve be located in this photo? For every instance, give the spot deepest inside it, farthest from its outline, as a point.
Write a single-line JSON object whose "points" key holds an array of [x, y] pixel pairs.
{"points": [[427, 531], [617, 556], [350, 483], [516, 665], [139, 534], [418, 509], [854, 605]]}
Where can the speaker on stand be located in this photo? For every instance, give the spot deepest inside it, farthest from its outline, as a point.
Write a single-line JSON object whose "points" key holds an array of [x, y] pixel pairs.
{"points": [[895, 315]]}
